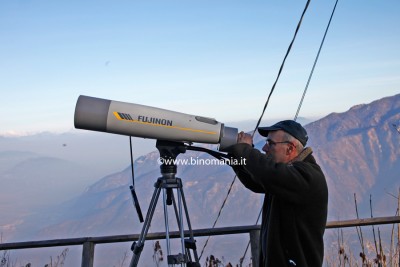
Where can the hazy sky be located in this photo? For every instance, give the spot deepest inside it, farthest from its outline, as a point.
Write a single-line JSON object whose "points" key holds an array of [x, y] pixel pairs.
{"points": [[211, 58]]}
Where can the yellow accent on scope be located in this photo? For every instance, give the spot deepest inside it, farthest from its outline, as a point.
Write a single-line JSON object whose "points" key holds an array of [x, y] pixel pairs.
{"points": [[160, 125]]}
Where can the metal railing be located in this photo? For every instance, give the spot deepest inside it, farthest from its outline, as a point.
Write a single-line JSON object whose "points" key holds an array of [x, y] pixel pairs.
{"points": [[89, 243]]}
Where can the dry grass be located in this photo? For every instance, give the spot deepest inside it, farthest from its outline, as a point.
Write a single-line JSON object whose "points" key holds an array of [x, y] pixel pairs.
{"points": [[373, 252]]}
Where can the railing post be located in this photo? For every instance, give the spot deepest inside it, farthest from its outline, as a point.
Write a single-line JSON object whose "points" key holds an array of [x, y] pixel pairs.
{"points": [[88, 254], [255, 247]]}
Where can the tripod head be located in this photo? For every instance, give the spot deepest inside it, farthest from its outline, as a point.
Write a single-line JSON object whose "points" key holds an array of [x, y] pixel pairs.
{"points": [[169, 150]]}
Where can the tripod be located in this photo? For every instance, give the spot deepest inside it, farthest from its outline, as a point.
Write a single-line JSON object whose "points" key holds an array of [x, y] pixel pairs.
{"points": [[166, 183]]}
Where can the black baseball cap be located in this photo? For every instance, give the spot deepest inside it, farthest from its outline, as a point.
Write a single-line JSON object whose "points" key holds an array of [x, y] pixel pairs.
{"points": [[291, 127]]}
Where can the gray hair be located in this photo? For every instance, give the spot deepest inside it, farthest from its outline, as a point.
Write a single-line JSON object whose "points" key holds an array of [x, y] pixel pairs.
{"points": [[290, 138]]}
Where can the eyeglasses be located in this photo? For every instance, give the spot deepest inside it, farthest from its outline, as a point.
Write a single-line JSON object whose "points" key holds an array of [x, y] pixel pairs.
{"points": [[272, 143]]}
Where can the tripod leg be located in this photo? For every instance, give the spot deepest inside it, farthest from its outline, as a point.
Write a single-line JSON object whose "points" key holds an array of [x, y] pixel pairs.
{"points": [[166, 220], [189, 244], [191, 239], [176, 212], [137, 247], [180, 222]]}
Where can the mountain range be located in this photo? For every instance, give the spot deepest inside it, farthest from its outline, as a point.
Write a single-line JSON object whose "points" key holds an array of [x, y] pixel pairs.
{"points": [[358, 150]]}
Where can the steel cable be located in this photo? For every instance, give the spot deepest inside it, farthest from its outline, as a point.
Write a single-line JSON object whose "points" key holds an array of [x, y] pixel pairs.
{"points": [[315, 62], [262, 114], [304, 93]]}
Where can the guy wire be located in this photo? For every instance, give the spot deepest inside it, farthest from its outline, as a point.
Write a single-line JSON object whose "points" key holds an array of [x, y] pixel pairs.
{"points": [[280, 69], [262, 114], [315, 62], [219, 214], [301, 102]]}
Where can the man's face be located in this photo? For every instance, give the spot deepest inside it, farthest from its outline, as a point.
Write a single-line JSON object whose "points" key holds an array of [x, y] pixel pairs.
{"points": [[275, 149]]}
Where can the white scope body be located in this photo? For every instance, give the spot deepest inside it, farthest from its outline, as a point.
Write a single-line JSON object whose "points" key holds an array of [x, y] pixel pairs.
{"points": [[136, 120]]}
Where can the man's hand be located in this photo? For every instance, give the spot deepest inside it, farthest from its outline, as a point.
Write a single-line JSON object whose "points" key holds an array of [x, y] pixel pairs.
{"points": [[245, 138]]}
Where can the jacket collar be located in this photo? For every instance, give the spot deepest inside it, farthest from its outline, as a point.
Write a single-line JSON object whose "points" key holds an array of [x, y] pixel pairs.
{"points": [[303, 154]]}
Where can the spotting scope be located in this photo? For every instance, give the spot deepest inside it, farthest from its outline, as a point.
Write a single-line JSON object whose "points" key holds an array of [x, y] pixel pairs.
{"points": [[136, 120]]}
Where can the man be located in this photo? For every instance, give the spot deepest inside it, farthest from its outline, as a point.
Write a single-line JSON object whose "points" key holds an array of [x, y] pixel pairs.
{"points": [[296, 194]]}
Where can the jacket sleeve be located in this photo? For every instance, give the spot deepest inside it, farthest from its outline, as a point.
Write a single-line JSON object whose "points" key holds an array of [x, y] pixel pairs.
{"points": [[294, 182], [247, 180]]}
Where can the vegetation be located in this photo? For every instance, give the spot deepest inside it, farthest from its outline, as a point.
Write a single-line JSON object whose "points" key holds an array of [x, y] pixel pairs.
{"points": [[373, 252], [158, 254], [7, 261], [59, 261]]}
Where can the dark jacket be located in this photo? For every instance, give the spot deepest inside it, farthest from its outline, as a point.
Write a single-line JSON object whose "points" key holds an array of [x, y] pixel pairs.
{"points": [[294, 209]]}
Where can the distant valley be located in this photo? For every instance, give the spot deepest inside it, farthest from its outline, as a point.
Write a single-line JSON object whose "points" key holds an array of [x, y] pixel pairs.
{"points": [[359, 151]]}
